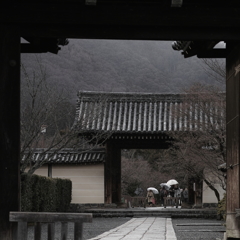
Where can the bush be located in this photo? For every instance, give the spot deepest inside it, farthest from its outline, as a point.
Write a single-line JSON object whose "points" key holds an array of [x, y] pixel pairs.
{"points": [[221, 209], [48, 195], [26, 193], [37, 189], [64, 194], [43, 194]]}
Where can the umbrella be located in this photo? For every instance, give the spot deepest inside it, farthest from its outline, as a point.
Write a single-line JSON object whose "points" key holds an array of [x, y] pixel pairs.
{"points": [[172, 182], [155, 191], [165, 185]]}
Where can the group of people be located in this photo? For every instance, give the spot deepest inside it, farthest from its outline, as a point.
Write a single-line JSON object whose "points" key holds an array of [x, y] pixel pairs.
{"points": [[180, 195]]}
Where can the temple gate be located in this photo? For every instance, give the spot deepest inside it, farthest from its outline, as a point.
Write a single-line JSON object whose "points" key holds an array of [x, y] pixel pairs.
{"points": [[45, 23], [140, 121]]}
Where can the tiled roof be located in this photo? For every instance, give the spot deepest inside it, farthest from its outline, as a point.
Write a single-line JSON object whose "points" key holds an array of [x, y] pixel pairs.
{"points": [[68, 156], [137, 113]]}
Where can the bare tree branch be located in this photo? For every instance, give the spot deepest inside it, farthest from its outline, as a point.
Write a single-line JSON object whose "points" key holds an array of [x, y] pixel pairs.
{"points": [[201, 147], [46, 121]]}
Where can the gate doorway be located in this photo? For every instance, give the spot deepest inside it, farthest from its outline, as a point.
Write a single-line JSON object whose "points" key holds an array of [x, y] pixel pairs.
{"points": [[134, 121]]}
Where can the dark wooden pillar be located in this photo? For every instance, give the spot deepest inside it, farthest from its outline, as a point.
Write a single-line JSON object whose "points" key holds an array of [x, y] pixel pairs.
{"points": [[116, 178], [50, 170], [233, 136], [112, 173], [9, 127]]}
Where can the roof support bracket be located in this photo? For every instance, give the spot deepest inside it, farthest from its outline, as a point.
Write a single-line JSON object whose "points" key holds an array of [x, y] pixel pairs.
{"points": [[176, 3], [91, 2]]}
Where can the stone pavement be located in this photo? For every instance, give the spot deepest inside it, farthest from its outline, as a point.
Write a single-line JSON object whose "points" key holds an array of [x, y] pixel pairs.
{"points": [[141, 228]]}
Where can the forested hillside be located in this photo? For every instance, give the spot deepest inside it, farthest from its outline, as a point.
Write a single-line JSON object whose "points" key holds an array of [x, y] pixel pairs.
{"points": [[118, 66]]}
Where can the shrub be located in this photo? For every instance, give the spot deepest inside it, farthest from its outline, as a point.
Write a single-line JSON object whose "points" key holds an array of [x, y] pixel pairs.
{"points": [[43, 194], [64, 194], [48, 192], [37, 197], [26, 193]]}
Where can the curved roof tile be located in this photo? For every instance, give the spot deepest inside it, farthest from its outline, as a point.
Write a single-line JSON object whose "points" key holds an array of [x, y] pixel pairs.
{"points": [[140, 113], [68, 155]]}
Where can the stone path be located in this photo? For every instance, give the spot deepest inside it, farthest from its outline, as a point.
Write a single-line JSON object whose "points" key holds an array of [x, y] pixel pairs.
{"points": [[141, 228]]}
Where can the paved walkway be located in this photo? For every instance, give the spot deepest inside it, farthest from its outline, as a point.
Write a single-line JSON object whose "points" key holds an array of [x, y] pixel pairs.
{"points": [[141, 228]]}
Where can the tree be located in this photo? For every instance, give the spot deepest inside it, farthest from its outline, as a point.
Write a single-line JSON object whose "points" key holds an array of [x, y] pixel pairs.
{"points": [[47, 118], [200, 146], [138, 173], [216, 69]]}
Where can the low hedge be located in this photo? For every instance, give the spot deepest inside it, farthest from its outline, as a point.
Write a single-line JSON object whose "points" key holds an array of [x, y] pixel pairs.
{"points": [[43, 194]]}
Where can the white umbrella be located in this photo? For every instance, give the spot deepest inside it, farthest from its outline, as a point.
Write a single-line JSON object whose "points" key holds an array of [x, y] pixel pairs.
{"points": [[172, 182], [165, 185], [155, 191]]}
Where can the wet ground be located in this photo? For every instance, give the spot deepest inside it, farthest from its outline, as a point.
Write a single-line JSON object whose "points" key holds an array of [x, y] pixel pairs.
{"points": [[101, 225], [185, 229], [192, 229]]}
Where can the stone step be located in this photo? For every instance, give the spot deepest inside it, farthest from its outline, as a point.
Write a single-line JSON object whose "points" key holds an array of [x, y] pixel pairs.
{"points": [[163, 212]]}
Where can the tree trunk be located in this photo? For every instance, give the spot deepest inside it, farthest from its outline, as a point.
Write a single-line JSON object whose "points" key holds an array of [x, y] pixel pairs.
{"points": [[213, 188]]}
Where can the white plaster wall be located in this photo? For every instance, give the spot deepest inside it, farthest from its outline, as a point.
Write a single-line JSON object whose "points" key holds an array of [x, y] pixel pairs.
{"points": [[42, 171], [87, 181], [208, 194]]}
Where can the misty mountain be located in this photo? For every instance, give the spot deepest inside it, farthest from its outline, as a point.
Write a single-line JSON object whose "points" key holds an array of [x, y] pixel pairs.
{"points": [[118, 66]]}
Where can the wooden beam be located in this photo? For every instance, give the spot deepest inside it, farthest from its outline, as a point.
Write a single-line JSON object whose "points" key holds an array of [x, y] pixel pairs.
{"points": [[233, 141], [108, 174], [112, 173], [116, 178], [153, 21], [30, 48], [214, 53], [142, 143], [152, 14], [130, 32], [9, 127]]}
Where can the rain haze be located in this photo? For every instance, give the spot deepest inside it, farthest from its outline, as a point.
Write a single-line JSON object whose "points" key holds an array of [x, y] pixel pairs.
{"points": [[118, 66]]}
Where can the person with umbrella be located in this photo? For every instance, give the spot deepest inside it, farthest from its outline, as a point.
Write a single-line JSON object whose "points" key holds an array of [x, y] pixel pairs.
{"points": [[150, 196], [177, 194], [185, 195], [163, 192], [174, 191]]}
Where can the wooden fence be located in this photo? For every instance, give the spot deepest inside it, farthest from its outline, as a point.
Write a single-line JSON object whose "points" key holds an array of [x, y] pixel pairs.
{"points": [[138, 201], [37, 219], [171, 201]]}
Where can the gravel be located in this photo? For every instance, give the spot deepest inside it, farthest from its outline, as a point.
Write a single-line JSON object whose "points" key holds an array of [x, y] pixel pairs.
{"points": [[192, 229], [101, 225]]}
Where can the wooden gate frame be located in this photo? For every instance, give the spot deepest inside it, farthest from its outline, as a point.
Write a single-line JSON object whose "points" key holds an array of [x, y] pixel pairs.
{"points": [[38, 19]]}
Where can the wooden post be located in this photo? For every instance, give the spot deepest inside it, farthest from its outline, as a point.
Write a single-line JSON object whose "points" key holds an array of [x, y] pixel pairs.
{"points": [[112, 174], [50, 170], [116, 178], [233, 135], [107, 174], [9, 127]]}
